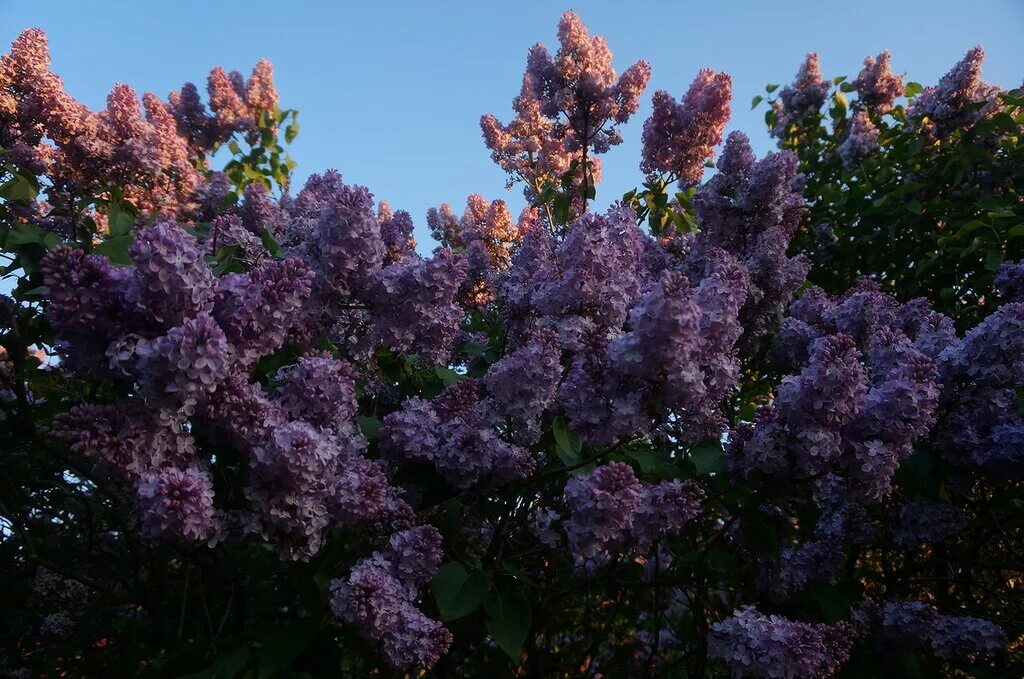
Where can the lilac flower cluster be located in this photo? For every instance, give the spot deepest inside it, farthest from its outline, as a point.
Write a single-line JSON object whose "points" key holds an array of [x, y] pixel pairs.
{"points": [[235, 105], [919, 625], [414, 302], [567, 110], [485, 233], [581, 83], [451, 434], [819, 557], [679, 138], [981, 373], [928, 522], [678, 356], [611, 512], [756, 645], [523, 385], [861, 141], [378, 596], [836, 416], [177, 504], [877, 87], [751, 209], [396, 231], [1009, 281], [960, 99], [800, 102], [82, 151]]}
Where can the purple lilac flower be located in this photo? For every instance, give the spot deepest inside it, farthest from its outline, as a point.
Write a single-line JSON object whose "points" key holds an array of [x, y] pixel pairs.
{"points": [[187, 363], [171, 280], [134, 441], [664, 509], [414, 305], [751, 210], [292, 482], [448, 433], [877, 87], [861, 141], [372, 599], [928, 522], [919, 625], [960, 99], [799, 103], [524, 383], [414, 555], [87, 302], [542, 521], [756, 645], [320, 390], [599, 271], [257, 309], [1009, 281], [601, 507], [259, 212], [680, 138], [177, 504]]}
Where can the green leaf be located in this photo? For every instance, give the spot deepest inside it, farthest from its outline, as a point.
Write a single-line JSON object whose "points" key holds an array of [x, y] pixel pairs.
{"points": [[508, 621], [708, 457], [913, 89], [18, 189], [838, 79], [226, 665], [234, 147], [448, 376], [23, 234], [568, 445], [116, 249], [561, 205], [755, 101], [771, 87], [278, 646], [120, 221], [225, 258], [847, 87], [369, 426], [456, 591], [270, 243], [291, 132]]}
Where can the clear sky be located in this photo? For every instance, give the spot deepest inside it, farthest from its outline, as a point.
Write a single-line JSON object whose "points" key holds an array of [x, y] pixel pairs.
{"points": [[391, 93]]}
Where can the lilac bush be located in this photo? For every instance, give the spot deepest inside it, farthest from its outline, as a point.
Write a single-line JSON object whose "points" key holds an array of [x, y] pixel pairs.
{"points": [[255, 429]]}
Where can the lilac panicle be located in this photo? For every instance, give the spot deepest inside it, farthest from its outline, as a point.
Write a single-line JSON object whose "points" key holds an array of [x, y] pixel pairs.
{"points": [[522, 385], [800, 102], [877, 87], [414, 304], [953, 104], [679, 139], [861, 141], [756, 645], [171, 279], [177, 505]]}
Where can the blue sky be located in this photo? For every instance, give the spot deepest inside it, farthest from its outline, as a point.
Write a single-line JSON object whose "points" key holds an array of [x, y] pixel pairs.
{"points": [[390, 93]]}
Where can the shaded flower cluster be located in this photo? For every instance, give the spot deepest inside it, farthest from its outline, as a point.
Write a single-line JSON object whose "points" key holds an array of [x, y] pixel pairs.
{"points": [[919, 625], [378, 596], [611, 512], [450, 434], [756, 645], [751, 209]]}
